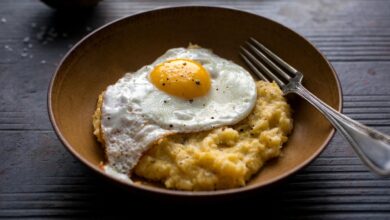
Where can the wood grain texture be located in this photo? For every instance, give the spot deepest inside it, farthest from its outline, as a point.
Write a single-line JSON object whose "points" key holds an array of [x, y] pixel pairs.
{"points": [[40, 179]]}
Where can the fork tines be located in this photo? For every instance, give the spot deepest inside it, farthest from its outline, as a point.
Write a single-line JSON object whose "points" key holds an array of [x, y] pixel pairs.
{"points": [[256, 53]]}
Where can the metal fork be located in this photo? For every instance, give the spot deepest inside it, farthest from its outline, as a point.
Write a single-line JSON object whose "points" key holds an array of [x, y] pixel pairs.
{"points": [[372, 146]]}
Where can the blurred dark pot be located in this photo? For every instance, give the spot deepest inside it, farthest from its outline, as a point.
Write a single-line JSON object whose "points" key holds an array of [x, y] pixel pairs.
{"points": [[71, 4]]}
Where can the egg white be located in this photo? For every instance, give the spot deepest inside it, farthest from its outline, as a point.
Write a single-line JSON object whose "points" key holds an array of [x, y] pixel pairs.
{"points": [[135, 113]]}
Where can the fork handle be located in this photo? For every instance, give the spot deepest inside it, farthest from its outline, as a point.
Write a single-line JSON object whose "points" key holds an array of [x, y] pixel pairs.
{"points": [[372, 146]]}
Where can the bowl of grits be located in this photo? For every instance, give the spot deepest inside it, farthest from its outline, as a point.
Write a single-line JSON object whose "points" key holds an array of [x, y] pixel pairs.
{"points": [[161, 102]]}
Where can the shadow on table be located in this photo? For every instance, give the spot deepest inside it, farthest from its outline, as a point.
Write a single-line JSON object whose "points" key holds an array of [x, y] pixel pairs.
{"points": [[275, 201]]}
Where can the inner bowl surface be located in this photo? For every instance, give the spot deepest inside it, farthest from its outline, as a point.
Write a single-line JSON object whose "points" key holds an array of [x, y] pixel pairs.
{"points": [[127, 44]]}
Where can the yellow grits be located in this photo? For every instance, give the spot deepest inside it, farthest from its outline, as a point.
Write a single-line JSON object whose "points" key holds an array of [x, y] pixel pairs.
{"points": [[221, 158]]}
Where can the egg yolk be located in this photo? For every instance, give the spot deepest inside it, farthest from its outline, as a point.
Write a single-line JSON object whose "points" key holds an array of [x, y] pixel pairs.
{"points": [[182, 78]]}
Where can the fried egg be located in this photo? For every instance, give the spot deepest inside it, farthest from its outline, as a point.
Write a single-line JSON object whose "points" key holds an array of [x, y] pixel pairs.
{"points": [[185, 90]]}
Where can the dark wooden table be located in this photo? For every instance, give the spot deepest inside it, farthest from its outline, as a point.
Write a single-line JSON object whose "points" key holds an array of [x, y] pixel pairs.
{"points": [[39, 178]]}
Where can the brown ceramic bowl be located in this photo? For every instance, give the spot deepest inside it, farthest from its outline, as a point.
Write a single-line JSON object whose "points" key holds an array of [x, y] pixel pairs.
{"points": [[129, 43]]}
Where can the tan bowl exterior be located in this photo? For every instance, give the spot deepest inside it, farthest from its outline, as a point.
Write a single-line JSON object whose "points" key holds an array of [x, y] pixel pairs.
{"points": [[129, 43]]}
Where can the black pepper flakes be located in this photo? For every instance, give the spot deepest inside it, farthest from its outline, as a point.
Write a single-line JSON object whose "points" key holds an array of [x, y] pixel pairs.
{"points": [[197, 81], [191, 100], [165, 101], [217, 89], [171, 126], [108, 118], [163, 84], [184, 63], [241, 130], [212, 117]]}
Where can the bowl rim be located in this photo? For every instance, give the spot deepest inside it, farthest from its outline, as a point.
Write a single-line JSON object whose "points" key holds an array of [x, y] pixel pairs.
{"points": [[180, 193]]}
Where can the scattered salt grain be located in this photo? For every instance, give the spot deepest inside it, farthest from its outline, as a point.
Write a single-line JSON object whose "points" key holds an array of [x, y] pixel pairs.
{"points": [[88, 28], [3, 20], [23, 54], [52, 33], [31, 56], [29, 45], [39, 35], [7, 47], [26, 39], [33, 25], [43, 61]]}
